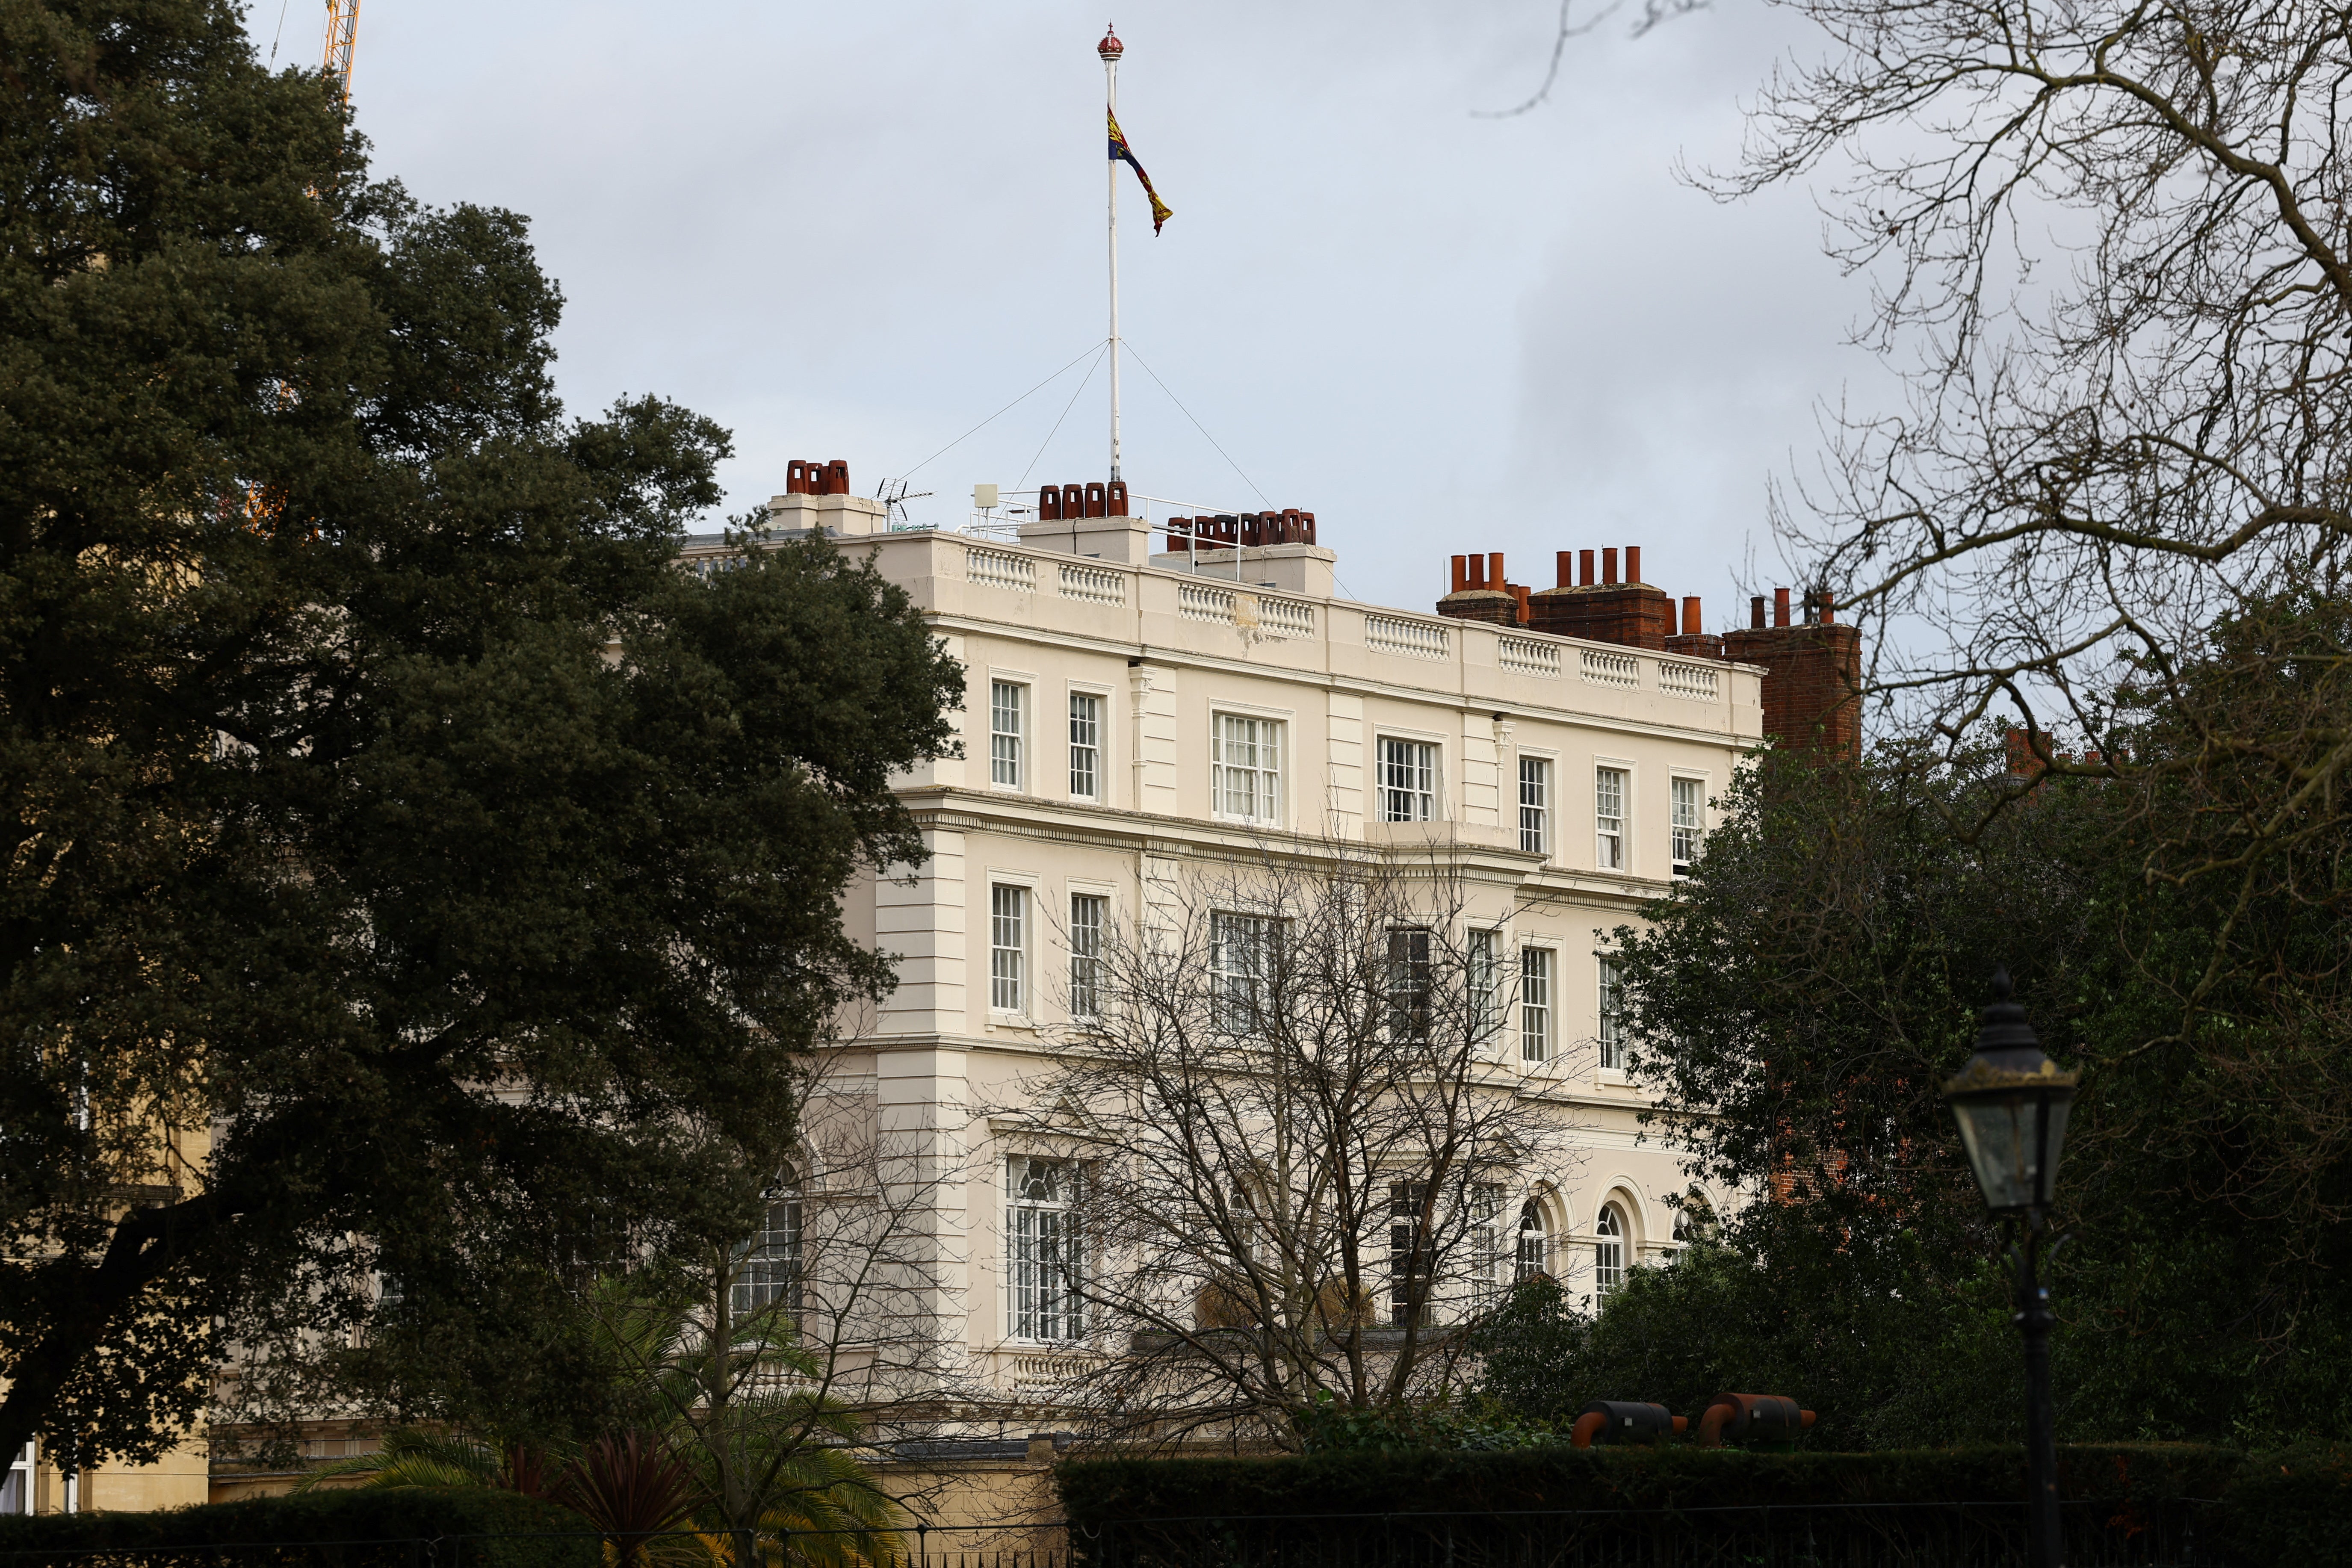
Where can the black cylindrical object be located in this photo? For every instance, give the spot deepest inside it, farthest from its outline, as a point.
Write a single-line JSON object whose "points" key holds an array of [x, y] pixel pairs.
{"points": [[1629, 1422], [1751, 1417]]}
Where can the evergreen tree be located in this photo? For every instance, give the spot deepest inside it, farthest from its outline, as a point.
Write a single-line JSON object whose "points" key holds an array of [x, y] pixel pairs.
{"points": [[1800, 1001], [410, 874]]}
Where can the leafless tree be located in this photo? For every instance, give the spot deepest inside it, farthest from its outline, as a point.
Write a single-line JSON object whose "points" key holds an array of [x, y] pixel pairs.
{"points": [[1282, 1160], [2112, 256], [2109, 250]]}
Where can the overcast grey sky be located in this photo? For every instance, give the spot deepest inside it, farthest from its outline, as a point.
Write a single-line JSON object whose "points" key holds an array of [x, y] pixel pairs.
{"points": [[855, 231]]}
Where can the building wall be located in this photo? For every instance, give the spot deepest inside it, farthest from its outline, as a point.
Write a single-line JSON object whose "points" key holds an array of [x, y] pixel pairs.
{"points": [[1165, 648]]}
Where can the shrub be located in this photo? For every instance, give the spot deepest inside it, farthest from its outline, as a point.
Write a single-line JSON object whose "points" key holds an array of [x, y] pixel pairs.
{"points": [[487, 1529], [2290, 1507]]}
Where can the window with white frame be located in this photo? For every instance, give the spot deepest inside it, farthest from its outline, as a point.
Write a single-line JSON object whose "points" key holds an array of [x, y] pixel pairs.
{"points": [[1690, 822], [1488, 1276], [1241, 968], [1044, 1249], [1090, 912], [1535, 1003], [1008, 725], [1608, 1249], [768, 1263], [1085, 745], [1485, 983], [1409, 1251], [1531, 1255], [1535, 805], [17, 1491], [1612, 1022], [1409, 982], [1408, 785], [1609, 818], [1008, 948], [1245, 768]]}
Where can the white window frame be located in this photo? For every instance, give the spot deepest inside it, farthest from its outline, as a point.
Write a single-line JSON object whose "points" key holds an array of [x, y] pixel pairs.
{"points": [[1685, 837], [1609, 1238], [1609, 983], [1418, 768], [1260, 774], [1535, 774], [1008, 760], [17, 1491], [1412, 979], [1538, 1002], [1242, 947], [1008, 961], [1612, 835], [1045, 1249], [1530, 1246], [768, 1263], [1411, 1250], [1089, 920], [1089, 750], [1490, 1270], [1483, 951]]}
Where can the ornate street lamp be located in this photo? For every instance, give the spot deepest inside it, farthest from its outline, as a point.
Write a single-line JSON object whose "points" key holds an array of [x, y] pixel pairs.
{"points": [[2011, 1103]]}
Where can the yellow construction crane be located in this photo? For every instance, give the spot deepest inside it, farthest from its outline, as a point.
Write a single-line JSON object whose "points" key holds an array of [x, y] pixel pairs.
{"points": [[343, 32]]}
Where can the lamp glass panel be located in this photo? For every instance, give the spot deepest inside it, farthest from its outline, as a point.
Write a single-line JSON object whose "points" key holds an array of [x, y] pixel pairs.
{"points": [[2056, 1107], [1999, 1133]]}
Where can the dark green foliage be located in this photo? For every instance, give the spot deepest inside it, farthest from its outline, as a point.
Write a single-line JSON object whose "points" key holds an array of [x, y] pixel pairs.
{"points": [[1096, 1491], [365, 752], [2293, 1507], [1881, 1368], [510, 1531], [1800, 1001]]}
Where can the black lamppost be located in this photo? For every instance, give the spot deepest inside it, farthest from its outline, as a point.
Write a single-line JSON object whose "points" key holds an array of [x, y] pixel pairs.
{"points": [[2012, 1102]]}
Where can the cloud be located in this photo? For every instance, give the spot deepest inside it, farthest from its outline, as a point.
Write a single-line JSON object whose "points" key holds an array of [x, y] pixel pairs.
{"points": [[855, 231]]}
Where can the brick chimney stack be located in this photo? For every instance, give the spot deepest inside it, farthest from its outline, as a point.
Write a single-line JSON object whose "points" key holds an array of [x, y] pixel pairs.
{"points": [[1632, 612], [1812, 673], [1481, 594], [1812, 665]]}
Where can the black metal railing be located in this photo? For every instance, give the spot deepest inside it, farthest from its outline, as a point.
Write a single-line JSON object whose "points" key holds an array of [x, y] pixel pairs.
{"points": [[1796, 1535]]}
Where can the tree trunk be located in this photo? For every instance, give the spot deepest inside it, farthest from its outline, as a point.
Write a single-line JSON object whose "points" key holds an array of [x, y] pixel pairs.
{"points": [[147, 1244]]}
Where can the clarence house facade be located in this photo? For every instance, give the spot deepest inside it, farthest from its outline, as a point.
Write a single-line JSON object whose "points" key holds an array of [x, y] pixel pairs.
{"points": [[1147, 705]]}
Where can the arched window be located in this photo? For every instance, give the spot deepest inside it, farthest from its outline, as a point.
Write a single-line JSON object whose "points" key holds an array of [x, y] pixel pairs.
{"points": [[1694, 1218], [1609, 1250], [1534, 1253]]}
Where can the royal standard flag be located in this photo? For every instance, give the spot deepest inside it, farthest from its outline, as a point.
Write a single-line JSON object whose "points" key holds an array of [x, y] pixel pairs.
{"points": [[1161, 211]]}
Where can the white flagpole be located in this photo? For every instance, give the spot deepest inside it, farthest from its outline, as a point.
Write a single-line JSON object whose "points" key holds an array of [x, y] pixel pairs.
{"points": [[1110, 49]]}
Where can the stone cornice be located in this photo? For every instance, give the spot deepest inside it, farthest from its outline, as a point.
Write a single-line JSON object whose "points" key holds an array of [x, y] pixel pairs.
{"points": [[960, 809]]}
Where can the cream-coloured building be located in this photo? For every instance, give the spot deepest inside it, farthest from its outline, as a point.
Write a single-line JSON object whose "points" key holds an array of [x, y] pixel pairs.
{"points": [[1134, 718]]}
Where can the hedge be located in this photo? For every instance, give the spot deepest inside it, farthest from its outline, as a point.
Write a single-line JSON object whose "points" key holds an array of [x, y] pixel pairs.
{"points": [[1397, 1481], [1433, 1507], [2290, 1507], [478, 1527]]}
